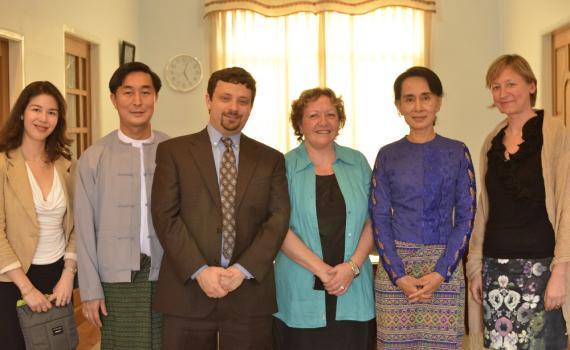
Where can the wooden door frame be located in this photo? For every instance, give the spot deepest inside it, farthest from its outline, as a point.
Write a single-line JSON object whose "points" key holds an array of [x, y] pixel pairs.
{"points": [[4, 80], [560, 37], [82, 49]]}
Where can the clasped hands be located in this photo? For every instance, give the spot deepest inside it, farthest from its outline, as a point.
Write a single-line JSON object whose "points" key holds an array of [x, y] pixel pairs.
{"points": [[420, 289], [336, 279], [217, 282]]}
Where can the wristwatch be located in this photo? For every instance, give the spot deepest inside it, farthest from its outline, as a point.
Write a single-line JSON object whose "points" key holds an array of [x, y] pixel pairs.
{"points": [[354, 267]]}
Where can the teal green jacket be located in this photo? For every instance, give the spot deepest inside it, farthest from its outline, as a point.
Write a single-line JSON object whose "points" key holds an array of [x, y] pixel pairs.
{"points": [[299, 305]]}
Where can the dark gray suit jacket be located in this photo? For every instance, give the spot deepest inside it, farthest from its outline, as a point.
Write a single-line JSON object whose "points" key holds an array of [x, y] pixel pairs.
{"points": [[187, 216]]}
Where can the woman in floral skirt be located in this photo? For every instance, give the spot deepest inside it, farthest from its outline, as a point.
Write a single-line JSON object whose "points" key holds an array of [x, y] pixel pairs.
{"points": [[520, 247]]}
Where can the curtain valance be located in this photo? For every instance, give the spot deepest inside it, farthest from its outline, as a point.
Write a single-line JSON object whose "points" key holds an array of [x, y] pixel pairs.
{"points": [[273, 8]]}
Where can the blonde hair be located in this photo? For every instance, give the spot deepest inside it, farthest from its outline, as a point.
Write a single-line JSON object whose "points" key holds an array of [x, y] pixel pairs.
{"points": [[519, 65]]}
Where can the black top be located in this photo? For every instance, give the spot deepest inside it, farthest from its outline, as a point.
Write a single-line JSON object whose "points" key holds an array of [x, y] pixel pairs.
{"points": [[518, 225], [331, 217]]}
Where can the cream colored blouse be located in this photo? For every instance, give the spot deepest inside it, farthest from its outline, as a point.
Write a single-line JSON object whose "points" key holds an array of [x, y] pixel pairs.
{"points": [[50, 211]]}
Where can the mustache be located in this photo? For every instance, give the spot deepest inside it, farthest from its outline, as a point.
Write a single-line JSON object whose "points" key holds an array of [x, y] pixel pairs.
{"points": [[231, 114]]}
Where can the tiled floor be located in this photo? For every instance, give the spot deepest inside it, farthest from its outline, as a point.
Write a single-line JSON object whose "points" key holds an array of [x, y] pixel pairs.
{"points": [[97, 347]]}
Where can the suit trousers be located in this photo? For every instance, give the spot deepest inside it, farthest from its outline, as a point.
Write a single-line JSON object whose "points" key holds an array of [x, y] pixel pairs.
{"points": [[223, 325], [44, 278]]}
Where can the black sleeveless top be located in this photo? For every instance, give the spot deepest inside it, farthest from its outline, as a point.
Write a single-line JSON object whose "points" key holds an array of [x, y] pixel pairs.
{"points": [[331, 217]]}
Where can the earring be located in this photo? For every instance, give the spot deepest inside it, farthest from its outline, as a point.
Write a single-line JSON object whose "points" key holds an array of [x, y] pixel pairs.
{"points": [[22, 117]]}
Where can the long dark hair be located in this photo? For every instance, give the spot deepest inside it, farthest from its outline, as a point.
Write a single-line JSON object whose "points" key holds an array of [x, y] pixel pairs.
{"points": [[11, 135]]}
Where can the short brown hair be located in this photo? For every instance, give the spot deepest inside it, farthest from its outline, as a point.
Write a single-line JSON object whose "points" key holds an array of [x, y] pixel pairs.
{"points": [[519, 65], [11, 135], [234, 75], [307, 96]]}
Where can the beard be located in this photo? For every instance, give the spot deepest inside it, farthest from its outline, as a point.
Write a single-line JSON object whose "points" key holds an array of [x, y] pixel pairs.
{"points": [[231, 123]]}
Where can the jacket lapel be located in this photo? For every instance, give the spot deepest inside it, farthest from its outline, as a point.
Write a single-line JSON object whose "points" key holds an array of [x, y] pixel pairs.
{"points": [[247, 163], [201, 151], [18, 180]]}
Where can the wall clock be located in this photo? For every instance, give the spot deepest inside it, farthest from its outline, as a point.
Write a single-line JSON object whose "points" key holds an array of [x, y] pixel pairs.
{"points": [[183, 72]]}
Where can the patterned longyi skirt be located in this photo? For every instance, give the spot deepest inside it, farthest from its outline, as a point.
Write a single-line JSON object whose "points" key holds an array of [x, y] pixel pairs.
{"points": [[436, 325], [131, 323]]}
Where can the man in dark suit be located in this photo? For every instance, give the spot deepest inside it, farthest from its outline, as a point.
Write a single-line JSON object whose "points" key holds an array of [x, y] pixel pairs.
{"points": [[220, 207]]}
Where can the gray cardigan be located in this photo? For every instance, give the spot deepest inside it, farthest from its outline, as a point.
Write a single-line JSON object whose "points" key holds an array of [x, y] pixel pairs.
{"points": [[107, 213]]}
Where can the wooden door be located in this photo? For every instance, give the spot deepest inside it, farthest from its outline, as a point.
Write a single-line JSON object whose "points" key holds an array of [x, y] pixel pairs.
{"points": [[78, 93], [561, 73]]}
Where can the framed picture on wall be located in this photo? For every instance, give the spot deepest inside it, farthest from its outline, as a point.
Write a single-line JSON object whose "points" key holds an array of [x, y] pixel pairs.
{"points": [[127, 52]]}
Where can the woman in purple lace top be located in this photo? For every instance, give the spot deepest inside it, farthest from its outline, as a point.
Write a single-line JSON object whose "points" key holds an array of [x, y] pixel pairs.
{"points": [[422, 206]]}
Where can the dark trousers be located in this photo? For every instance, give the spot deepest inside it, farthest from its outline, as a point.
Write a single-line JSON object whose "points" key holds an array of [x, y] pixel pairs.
{"points": [[235, 332], [44, 278]]}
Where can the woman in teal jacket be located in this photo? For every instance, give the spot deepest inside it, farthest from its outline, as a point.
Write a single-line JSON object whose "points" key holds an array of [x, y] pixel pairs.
{"points": [[324, 277]]}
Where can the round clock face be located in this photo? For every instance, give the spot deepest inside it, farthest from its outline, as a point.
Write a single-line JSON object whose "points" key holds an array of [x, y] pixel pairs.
{"points": [[183, 72]]}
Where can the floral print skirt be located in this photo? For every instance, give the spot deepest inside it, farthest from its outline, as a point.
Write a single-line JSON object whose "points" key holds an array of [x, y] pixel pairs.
{"points": [[513, 303]]}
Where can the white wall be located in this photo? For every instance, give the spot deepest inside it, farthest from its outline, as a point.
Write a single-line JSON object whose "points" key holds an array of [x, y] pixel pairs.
{"points": [[44, 24], [528, 26], [169, 28], [466, 37]]}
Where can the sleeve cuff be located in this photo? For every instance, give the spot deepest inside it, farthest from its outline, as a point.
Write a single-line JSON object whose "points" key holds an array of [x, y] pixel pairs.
{"points": [[445, 272], [72, 256], [244, 271], [10, 267], [395, 277], [195, 274]]}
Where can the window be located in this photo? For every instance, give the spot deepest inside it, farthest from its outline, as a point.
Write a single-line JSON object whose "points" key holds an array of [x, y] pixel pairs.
{"points": [[358, 56], [78, 93], [4, 81]]}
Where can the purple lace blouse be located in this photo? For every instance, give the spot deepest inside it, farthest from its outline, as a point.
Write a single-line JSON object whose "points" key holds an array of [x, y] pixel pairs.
{"points": [[424, 194]]}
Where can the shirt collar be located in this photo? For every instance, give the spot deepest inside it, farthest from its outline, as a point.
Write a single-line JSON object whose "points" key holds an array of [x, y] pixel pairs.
{"points": [[342, 155], [137, 143], [216, 136]]}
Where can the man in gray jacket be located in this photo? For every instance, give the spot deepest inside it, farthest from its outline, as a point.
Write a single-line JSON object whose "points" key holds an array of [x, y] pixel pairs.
{"points": [[118, 253]]}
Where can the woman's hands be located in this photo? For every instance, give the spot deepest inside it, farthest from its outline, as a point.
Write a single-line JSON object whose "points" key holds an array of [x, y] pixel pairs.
{"points": [[428, 284], [63, 290], [555, 293], [409, 286], [35, 299], [476, 288], [339, 279], [420, 289]]}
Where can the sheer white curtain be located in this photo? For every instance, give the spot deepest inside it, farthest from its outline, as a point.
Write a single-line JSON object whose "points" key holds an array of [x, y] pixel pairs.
{"points": [[358, 56]]}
